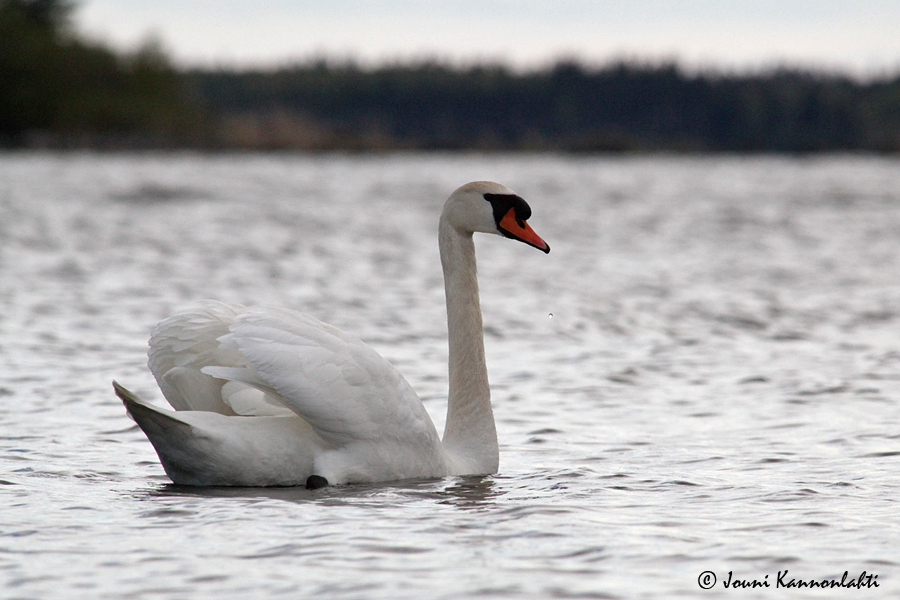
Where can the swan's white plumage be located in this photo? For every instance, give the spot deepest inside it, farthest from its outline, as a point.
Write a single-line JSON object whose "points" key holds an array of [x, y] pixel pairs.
{"points": [[338, 384], [271, 396], [184, 343], [278, 362]]}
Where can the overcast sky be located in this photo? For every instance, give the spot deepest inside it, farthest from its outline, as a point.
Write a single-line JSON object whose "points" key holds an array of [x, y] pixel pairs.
{"points": [[859, 36]]}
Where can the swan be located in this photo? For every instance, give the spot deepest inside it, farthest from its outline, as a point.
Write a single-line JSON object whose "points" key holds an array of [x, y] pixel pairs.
{"points": [[268, 396]]}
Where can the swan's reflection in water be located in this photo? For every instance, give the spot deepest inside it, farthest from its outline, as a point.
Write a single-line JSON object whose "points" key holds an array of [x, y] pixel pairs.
{"points": [[470, 492], [474, 492]]}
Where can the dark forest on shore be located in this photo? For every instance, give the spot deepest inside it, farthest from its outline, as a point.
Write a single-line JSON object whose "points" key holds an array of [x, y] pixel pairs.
{"points": [[58, 90]]}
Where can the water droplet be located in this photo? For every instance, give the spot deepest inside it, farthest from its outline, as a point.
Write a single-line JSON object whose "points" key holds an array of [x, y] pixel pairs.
{"points": [[551, 315]]}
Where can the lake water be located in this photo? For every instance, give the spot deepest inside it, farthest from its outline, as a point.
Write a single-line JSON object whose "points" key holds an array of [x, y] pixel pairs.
{"points": [[703, 375]]}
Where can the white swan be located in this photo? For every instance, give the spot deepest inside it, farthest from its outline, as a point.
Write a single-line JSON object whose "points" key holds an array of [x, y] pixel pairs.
{"points": [[269, 396]]}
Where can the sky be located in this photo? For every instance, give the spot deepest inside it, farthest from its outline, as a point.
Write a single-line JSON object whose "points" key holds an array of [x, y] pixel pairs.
{"points": [[858, 37]]}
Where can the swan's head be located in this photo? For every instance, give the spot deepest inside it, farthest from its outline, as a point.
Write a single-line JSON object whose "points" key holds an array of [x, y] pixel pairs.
{"points": [[489, 207]]}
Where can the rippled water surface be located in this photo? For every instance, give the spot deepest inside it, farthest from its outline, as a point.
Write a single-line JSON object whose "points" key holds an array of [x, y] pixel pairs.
{"points": [[703, 375]]}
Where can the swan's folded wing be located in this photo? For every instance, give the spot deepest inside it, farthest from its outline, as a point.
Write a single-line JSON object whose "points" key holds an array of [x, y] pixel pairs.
{"points": [[183, 344], [341, 386], [186, 342]]}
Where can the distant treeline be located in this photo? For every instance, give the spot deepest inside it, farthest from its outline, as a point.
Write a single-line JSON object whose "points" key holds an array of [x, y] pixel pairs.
{"points": [[570, 107], [58, 90]]}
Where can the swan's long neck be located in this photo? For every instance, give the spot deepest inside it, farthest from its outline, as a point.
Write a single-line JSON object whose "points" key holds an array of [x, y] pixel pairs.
{"points": [[470, 436]]}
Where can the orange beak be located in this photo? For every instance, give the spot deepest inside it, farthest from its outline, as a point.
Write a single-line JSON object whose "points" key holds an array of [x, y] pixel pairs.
{"points": [[520, 230]]}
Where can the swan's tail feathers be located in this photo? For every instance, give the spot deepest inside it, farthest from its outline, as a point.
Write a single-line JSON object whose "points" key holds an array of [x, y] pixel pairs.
{"points": [[128, 398], [147, 416], [124, 394], [207, 448], [173, 439]]}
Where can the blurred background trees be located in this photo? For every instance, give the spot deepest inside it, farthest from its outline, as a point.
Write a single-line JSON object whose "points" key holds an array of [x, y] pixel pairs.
{"points": [[618, 107], [59, 90]]}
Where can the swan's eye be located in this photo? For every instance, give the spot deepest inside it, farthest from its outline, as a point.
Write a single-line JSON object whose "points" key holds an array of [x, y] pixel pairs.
{"points": [[501, 203]]}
